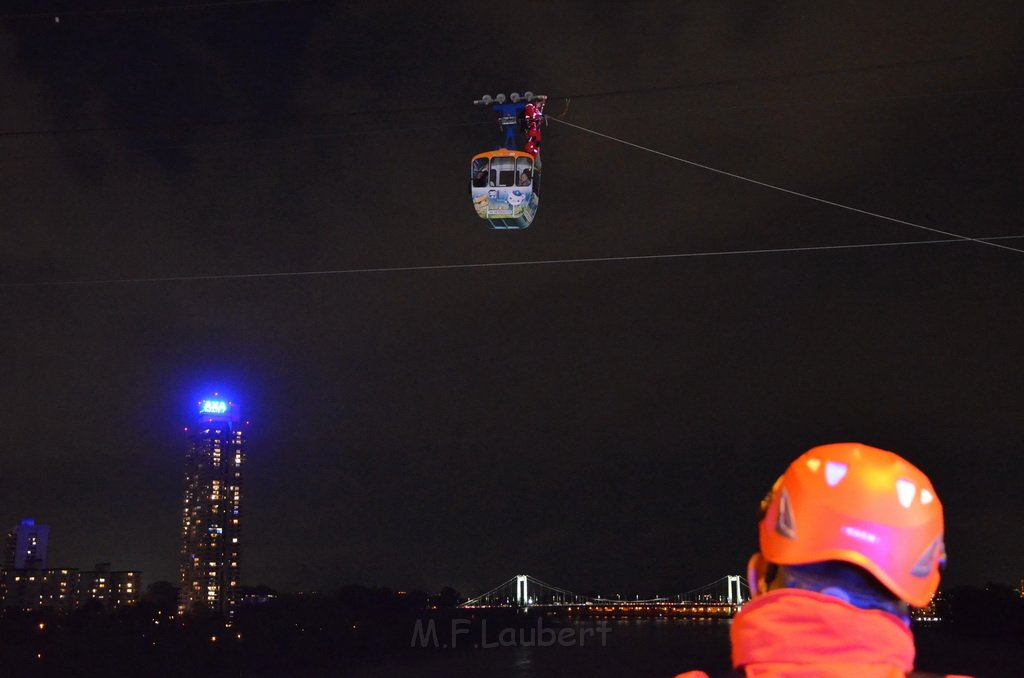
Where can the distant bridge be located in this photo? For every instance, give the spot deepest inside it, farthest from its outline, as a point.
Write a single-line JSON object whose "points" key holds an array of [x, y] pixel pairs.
{"points": [[721, 598]]}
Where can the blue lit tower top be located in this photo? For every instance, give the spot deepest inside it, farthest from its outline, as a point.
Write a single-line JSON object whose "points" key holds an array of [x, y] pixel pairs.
{"points": [[217, 409]]}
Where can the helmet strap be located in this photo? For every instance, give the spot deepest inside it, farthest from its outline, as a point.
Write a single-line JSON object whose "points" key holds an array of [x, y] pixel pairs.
{"points": [[758, 574]]}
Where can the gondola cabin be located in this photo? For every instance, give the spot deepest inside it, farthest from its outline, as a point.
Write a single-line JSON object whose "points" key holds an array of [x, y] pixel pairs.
{"points": [[504, 185]]}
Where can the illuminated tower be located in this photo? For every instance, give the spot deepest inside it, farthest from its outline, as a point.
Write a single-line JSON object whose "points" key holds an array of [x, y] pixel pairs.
{"points": [[26, 546], [211, 518]]}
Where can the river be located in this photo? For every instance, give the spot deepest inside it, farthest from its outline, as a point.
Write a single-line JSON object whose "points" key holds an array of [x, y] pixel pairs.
{"points": [[655, 648]]}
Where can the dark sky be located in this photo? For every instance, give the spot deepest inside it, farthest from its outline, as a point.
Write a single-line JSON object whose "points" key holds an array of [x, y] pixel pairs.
{"points": [[605, 426]]}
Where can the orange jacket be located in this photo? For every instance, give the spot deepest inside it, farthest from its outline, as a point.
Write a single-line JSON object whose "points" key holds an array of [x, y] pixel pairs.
{"points": [[793, 633]]}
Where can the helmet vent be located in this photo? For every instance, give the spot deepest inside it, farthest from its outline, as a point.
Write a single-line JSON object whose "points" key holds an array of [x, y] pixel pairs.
{"points": [[834, 472], [784, 524], [906, 491], [924, 564]]}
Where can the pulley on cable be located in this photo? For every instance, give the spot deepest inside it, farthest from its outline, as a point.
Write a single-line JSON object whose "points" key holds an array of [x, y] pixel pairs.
{"points": [[505, 183]]}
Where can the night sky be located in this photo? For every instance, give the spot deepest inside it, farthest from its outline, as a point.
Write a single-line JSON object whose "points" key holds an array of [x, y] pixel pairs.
{"points": [[607, 425]]}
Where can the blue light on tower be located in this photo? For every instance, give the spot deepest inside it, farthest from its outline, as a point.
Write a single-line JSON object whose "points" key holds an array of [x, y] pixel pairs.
{"points": [[213, 407], [217, 407]]}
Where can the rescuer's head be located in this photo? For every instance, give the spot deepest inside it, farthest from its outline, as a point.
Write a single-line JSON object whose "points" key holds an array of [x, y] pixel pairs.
{"points": [[848, 503]]}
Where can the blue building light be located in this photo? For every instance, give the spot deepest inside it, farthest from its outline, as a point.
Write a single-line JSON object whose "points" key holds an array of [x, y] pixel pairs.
{"points": [[213, 407]]}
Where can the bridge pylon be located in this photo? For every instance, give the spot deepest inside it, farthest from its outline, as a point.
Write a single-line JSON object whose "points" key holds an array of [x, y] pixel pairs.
{"points": [[522, 593], [735, 593]]}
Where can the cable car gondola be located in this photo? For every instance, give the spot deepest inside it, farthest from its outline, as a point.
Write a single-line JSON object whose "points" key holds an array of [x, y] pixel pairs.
{"points": [[504, 183]]}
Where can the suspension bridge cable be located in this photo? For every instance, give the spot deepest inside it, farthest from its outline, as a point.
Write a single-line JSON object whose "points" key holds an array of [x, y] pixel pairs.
{"points": [[543, 597], [495, 264], [600, 599], [556, 588], [491, 592], [549, 586], [705, 587], [786, 190]]}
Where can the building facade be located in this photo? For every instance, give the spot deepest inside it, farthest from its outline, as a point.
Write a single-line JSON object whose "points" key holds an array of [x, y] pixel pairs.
{"points": [[66, 589], [112, 588], [60, 589], [211, 512], [26, 583], [27, 546], [22, 580]]}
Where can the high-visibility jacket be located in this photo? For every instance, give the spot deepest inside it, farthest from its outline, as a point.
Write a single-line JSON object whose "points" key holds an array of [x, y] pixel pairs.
{"points": [[793, 633], [533, 148]]}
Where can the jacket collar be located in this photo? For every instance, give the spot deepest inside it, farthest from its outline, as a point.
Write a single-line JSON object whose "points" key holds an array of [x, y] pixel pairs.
{"points": [[805, 628]]}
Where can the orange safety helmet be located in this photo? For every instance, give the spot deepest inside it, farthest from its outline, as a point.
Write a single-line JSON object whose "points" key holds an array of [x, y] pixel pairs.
{"points": [[861, 505]]}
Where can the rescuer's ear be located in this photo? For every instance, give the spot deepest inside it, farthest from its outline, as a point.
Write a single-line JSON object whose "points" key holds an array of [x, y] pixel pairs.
{"points": [[757, 568]]}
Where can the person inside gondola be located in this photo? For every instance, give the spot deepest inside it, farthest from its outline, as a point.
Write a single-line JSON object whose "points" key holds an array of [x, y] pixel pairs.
{"points": [[480, 172], [524, 178]]}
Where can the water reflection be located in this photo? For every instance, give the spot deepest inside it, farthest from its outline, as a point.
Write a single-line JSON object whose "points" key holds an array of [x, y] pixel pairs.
{"points": [[640, 648], [523, 662]]}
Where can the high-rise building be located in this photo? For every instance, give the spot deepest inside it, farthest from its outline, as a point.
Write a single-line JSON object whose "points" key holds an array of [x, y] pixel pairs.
{"points": [[211, 518], [25, 551], [26, 546]]}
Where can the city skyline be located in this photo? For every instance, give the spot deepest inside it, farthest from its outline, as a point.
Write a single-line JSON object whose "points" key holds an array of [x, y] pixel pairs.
{"points": [[205, 439], [29, 581]]}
